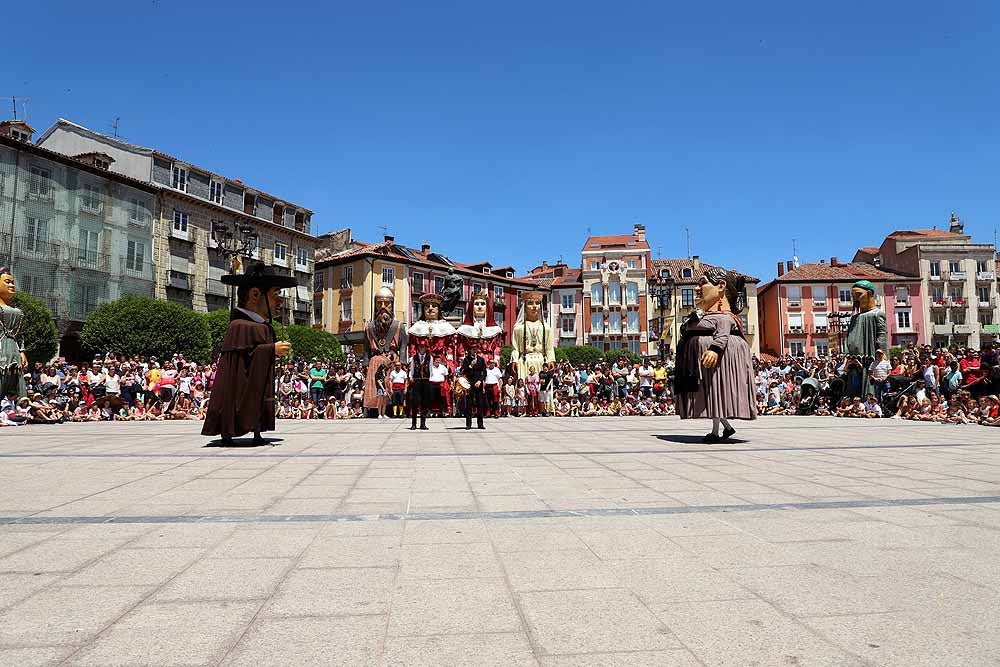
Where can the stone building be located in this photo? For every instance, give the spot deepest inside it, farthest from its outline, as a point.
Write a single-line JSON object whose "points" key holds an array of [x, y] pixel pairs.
{"points": [[75, 233], [193, 204], [566, 308]]}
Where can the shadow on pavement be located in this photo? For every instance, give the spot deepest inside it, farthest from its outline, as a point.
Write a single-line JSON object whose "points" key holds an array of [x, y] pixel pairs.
{"points": [[697, 440], [237, 443]]}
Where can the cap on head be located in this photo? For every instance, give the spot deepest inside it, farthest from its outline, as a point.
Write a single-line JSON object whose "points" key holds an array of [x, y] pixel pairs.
{"points": [[865, 285]]}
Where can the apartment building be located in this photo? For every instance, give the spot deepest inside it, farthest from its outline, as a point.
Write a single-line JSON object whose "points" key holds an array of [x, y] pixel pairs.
{"points": [[74, 233], [615, 271], [347, 279], [566, 308], [195, 206], [683, 276], [957, 275], [803, 312]]}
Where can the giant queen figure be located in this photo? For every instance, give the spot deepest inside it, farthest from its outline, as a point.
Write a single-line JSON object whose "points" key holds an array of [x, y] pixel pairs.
{"points": [[480, 332], [385, 341], [532, 336], [438, 334]]}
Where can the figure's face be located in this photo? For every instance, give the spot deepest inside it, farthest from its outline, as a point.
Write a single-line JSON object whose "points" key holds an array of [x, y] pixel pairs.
{"points": [[862, 298], [707, 295], [479, 308], [275, 299], [532, 310], [7, 288], [383, 304], [432, 311]]}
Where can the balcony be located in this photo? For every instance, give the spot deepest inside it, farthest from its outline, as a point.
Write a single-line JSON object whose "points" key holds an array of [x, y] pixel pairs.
{"points": [[943, 329], [956, 275], [213, 286], [794, 303], [957, 302], [304, 268], [935, 278], [902, 301], [985, 276], [30, 247], [939, 303], [182, 234], [989, 303], [819, 303], [567, 334], [567, 309], [89, 260], [964, 329], [178, 280], [821, 328], [79, 312], [302, 306], [136, 270], [798, 331]]}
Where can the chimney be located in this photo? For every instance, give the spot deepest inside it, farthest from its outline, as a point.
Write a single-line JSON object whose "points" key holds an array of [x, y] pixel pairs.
{"points": [[833, 261], [425, 248], [789, 265], [640, 232], [697, 262], [545, 264], [390, 239], [558, 270], [822, 261], [781, 269]]}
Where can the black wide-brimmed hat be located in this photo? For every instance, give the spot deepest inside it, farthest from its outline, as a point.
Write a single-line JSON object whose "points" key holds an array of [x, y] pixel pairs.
{"points": [[259, 274]]}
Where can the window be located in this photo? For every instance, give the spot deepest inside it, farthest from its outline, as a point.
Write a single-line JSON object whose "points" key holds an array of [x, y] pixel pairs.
{"points": [[940, 317], [903, 319], [937, 294], [179, 181], [632, 264], [346, 309], [498, 318], [567, 324], [822, 348], [19, 136], [635, 347], [955, 266], [36, 233], [89, 243], [687, 297], [936, 269], [135, 256], [986, 317], [477, 287], [40, 183], [615, 322], [388, 276], [632, 293], [615, 344], [280, 253], [215, 192], [984, 294], [957, 294], [614, 294], [845, 295], [319, 281], [597, 323], [597, 294], [796, 348], [820, 321], [91, 199], [794, 295], [180, 223], [302, 258], [795, 322], [497, 294], [958, 316], [438, 284], [487, 269], [347, 277], [819, 295], [318, 310], [137, 213], [417, 283], [595, 265], [686, 273], [981, 266], [568, 301], [633, 321], [902, 294], [101, 163]]}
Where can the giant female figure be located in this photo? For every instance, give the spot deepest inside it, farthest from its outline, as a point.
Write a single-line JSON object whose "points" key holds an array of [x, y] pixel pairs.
{"points": [[12, 359], [531, 339], [714, 373]]}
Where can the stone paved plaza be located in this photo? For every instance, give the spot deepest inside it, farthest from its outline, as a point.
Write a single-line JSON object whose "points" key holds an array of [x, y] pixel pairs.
{"points": [[552, 542]]}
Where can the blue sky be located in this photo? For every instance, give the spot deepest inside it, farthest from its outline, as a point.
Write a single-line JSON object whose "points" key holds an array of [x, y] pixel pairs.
{"points": [[504, 131]]}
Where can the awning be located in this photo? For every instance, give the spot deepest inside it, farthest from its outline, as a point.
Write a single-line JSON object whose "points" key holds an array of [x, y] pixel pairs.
{"points": [[302, 293], [180, 264]]}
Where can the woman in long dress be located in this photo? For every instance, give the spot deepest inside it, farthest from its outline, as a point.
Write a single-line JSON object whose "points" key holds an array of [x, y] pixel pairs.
{"points": [[12, 359], [714, 374]]}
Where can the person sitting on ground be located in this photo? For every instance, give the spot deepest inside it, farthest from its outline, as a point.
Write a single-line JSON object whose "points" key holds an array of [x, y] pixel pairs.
{"points": [[872, 409]]}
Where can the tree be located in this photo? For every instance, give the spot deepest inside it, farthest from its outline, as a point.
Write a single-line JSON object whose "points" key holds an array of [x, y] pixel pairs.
{"points": [[39, 332], [135, 325], [218, 322], [611, 356], [579, 354], [309, 343], [505, 355]]}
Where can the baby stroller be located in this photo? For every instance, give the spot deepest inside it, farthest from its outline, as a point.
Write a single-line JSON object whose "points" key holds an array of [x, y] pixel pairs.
{"points": [[898, 386], [808, 397]]}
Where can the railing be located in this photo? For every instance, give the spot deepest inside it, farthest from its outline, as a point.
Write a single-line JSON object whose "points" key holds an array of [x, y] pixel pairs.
{"points": [[793, 303], [985, 276], [936, 277], [304, 268], [956, 275], [345, 284], [943, 329], [30, 246], [965, 329], [137, 270], [180, 281], [822, 328], [798, 331], [989, 303], [78, 312], [939, 303], [184, 235], [957, 303], [213, 286], [902, 301], [90, 260], [819, 302]]}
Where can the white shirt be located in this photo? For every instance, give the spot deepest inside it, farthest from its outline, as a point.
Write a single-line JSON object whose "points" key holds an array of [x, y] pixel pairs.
{"points": [[438, 373], [493, 375], [645, 376], [252, 315], [399, 377], [111, 385]]}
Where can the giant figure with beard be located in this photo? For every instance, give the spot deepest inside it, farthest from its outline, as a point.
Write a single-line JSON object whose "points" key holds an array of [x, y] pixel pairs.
{"points": [[385, 341]]}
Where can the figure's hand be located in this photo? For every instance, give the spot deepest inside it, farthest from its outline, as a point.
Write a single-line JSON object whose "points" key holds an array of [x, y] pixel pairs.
{"points": [[709, 359], [24, 361], [282, 348], [479, 384]]}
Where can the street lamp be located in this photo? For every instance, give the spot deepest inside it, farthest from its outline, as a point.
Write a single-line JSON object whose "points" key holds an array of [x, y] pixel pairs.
{"points": [[233, 243], [662, 289]]}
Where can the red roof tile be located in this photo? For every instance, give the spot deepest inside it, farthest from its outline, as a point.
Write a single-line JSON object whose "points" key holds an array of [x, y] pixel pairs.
{"points": [[677, 267], [617, 241], [922, 233], [851, 271]]}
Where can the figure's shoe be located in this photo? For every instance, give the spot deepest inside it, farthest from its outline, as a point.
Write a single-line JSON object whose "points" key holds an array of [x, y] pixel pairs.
{"points": [[468, 428], [481, 428], [413, 428], [728, 433], [424, 428], [711, 438]]}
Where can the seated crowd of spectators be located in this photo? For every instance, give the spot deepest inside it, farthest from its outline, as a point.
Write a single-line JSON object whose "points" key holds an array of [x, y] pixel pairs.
{"points": [[953, 385]]}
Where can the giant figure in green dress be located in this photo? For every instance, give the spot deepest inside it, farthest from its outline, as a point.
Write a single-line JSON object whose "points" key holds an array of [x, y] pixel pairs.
{"points": [[12, 359], [866, 330]]}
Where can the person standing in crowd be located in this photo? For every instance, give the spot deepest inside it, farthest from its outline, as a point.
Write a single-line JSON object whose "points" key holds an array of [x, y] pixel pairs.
{"points": [[879, 371], [421, 365], [398, 380], [494, 385], [317, 377], [474, 371], [440, 396]]}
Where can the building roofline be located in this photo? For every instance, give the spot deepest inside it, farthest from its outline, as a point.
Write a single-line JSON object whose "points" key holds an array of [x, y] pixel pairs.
{"points": [[249, 218], [82, 166]]}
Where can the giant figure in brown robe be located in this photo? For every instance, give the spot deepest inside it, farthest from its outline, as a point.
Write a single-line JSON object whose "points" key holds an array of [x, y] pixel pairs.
{"points": [[242, 398]]}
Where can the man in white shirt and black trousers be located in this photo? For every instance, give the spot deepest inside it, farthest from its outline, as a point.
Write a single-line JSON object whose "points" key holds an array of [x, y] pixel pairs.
{"points": [[474, 370], [420, 374]]}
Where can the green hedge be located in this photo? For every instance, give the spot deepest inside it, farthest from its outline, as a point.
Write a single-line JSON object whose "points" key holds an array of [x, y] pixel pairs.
{"points": [[579, 354], [39, 332], [308, 343], [136, 325], [218, 322]]}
